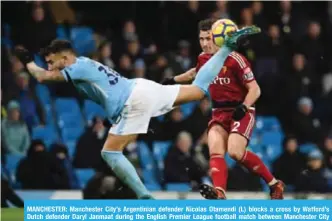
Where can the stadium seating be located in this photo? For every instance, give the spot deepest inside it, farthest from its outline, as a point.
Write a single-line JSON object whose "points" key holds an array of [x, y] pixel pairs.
{"points": [[145, 155], [71, 146], [61, 33], [265, 142], [307, 148], [5, 37], [66, 119], [12, 161], [43, 94], [160, 150], [83, 40], [67, 105], [48, 134], [180, 187], [230, 162], [187, 109], [68, 113], [148, 165], [153, 186], [91, 109], [40, 61], [70, 137], [71, 134], [84, 175], [255, 138], [150, 180], [269, 123], [44, 97], [258, 149], [70, 120], [272, 140]]}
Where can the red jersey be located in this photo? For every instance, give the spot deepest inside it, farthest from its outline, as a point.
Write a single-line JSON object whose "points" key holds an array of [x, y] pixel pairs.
{"points": [[229, 85]]}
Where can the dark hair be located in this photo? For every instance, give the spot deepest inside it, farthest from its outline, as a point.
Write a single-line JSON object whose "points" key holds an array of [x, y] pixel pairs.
{"points": [[57, 46], [206, 24], [287, 139], [33, 145], [58, 148], [102, 44]]}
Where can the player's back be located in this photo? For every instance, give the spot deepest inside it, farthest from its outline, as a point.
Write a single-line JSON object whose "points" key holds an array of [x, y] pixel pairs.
{"points": [[101, 84], [229, 85]]}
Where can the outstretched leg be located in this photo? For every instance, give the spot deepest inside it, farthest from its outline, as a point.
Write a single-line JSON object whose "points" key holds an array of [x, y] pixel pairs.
{"points": [[121, 166]]}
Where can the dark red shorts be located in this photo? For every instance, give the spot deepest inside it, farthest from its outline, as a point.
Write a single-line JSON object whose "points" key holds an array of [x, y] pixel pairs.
{"points": [[223, 117]]}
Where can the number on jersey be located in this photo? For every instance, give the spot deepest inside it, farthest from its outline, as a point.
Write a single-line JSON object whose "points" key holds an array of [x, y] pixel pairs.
{"points": [[113, 76]]}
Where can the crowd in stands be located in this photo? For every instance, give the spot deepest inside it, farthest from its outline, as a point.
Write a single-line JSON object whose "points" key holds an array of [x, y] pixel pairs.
{"points": [[51, 138]]}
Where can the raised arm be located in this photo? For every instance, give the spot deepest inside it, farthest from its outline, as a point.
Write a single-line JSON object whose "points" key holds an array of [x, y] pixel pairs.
{"points": [[39, 73], [186, 77], [43, 75]]}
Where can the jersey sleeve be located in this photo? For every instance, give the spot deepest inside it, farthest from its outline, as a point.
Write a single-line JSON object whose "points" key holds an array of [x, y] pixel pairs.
{"points": [[242, 68], [74, 72]]}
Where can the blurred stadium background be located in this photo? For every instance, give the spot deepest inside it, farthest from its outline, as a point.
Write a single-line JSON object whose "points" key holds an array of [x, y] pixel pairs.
{"points": [[51, 139]]}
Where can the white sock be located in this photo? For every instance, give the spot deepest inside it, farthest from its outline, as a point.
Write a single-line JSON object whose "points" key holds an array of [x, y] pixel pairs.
{"points": [[274, 181], [221, 189]]}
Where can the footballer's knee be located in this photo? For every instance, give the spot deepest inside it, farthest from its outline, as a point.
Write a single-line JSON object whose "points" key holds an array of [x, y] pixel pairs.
{"points": [[236, 147], [198, 92], [217, 140], [234, 152], [117, 142], [189, 93]]}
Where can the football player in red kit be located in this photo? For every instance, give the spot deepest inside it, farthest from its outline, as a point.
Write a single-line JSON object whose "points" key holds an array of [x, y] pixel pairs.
{"points": [[234, 93]]}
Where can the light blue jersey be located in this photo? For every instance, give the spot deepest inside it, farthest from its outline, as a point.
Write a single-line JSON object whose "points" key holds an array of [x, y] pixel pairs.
{"points": [[100, 84]]}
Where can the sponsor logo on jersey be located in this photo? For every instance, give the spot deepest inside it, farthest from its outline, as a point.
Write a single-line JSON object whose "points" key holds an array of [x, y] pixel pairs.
{"points": [[221, 81]]}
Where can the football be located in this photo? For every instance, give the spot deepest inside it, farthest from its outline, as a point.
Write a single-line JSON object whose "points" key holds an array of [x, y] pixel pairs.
{"points": [[220, 29]]}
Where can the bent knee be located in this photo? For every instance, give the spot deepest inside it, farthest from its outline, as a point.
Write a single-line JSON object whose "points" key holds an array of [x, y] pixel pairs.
{"points": [[235, 151], [110, 148], [236, 146], [117, 143], [189, 93]]}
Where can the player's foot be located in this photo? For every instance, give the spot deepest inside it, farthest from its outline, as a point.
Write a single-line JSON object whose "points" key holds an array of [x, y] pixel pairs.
{"points": [[277, 191], [211, 193], [235, 38]]}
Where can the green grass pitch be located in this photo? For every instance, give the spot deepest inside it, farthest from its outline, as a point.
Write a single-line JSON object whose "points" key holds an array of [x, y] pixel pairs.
{"points": [[12, 214]]}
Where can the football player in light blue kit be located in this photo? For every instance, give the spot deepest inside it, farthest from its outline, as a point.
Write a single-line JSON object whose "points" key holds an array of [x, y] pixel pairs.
{"points": [[129, 103]]}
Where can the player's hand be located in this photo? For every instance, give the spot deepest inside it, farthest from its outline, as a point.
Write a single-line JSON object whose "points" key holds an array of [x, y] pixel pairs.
{"points": [[240, 112], [23, 55], [168, 81]]}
